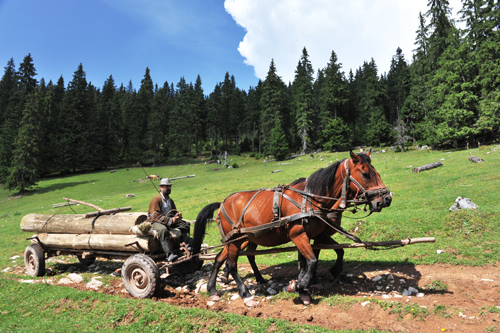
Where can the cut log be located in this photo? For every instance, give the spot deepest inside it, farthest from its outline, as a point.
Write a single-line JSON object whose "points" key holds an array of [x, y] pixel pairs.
{"points": [[190, 176], [475, 159], [99, 242], [118, 224], [427, 167]]}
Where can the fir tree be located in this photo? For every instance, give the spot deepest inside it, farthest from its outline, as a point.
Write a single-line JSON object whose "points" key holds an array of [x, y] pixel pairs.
{"points": [[24, 171], [303, 101], [272, 105]]}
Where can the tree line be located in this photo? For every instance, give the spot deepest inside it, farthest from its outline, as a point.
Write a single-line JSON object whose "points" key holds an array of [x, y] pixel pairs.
{"points": [[447, 95]]}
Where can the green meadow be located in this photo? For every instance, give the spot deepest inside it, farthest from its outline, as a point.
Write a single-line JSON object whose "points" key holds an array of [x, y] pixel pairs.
{"points": [[420, 208]]}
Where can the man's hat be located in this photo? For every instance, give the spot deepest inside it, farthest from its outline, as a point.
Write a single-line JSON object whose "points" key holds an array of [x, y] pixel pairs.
{"points": [[165, 181]]}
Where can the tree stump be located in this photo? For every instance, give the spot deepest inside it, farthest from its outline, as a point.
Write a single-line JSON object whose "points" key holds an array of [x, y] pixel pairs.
{"points": [[427, 167]]}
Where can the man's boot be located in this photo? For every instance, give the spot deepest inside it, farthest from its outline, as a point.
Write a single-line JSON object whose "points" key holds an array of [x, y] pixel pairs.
{"points": [[168, 250]]}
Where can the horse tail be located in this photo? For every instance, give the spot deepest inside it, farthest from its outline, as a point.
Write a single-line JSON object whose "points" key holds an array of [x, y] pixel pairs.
{"points": [[204, 216]]}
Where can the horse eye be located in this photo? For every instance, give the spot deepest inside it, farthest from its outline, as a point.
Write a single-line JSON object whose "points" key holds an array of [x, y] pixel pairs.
{"points": [[366, 175]]}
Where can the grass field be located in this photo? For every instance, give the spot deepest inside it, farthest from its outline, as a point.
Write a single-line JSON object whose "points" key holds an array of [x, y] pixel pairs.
{"points": [[419, 209]]}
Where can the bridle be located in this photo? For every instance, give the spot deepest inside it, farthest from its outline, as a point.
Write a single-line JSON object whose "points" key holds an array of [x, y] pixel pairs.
{"points": [[364, 198]]}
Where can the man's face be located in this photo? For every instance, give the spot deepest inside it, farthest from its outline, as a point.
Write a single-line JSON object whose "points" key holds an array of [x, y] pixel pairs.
{"points": [[165, 189]]}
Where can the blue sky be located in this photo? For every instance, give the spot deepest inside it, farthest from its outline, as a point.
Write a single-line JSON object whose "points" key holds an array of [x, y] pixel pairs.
{"points": [[205, 37]]}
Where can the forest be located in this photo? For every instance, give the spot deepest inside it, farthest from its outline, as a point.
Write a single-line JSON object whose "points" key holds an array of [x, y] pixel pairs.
{"points": [[446, 95]]}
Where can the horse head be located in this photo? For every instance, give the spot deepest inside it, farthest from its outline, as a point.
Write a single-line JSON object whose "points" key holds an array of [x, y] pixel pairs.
{"points": [[365, 179]]}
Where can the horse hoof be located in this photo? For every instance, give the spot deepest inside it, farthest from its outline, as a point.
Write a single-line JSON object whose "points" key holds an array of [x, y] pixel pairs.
{"points": [[306, 299], [215, 298], [292, 287], [317, 286], [250, 302]]}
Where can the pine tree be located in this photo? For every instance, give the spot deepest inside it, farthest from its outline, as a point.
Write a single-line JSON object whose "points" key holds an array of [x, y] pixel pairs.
{"points": [[25, 85], [253, 111], [129, 153], [303, 101], [76, 116], [110, 123], [337, 135], [24, 171], [273, 105], [178, 124], [398, 90], [279, 145], [333, 94], [139, 147], [214, 106], [199, 114]]}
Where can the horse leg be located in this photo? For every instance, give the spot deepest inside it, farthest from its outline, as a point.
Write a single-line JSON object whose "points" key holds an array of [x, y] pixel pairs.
{"points": [[232, 266], [212, 281], [251, 260], [336, 269], [302, 243]]}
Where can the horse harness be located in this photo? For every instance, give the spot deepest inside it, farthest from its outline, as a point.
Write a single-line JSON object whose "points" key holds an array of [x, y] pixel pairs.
{"points": [[306, 209]]}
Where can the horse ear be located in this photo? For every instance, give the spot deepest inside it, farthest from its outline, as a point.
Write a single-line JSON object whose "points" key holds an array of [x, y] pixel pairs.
{"points": [[369, 152], [355, 158]]}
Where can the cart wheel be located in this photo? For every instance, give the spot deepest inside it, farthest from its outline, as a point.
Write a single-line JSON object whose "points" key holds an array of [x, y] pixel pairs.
{"points": [[34, 260], [87, 261], [140, 276]]}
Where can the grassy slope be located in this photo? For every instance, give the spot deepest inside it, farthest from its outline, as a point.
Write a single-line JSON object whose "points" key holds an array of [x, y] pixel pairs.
{"points": [[420, 205]]}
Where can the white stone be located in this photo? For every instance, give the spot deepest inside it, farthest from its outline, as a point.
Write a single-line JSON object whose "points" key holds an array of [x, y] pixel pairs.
{"points": [[14, 257], [365, 303], [463, 203], [406, 293], [28, 281], [420, 294], [235, 297], [439, 251], [487, 280], [377, 278], [390, 277], [75, 278], [402, 280], [64, 281], [94, 284], [6, 270], [210, 303]]}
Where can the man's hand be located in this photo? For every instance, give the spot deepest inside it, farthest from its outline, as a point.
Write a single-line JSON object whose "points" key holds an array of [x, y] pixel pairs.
{"points": [[177, 218]]}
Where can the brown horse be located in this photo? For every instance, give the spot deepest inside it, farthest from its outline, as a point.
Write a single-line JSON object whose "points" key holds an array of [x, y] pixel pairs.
{"points": [[253, 214]]}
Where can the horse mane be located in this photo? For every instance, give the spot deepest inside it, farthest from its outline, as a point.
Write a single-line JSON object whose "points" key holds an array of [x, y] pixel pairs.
{"points": [[319, 182], [298, 181]]}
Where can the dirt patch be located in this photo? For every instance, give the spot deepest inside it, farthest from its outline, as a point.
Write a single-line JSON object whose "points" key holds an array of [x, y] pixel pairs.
{"points": [[450, 298]]}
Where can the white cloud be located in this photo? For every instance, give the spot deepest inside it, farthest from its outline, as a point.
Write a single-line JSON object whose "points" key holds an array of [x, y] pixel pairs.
{"points": [[356, 30]]}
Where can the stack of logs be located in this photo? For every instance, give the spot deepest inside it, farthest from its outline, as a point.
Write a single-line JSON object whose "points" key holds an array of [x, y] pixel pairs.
{"points": [[79, 232]]}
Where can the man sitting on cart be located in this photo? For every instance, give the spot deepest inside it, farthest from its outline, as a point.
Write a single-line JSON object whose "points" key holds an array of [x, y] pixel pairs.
{"points": [[163, 216]]}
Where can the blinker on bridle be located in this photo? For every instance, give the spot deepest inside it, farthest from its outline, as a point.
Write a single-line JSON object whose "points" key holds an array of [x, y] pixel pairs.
{"points": [[365, 195]]}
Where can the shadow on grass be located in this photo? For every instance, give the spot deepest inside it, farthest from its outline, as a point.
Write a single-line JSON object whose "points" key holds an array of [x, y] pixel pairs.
{"points": [[55, 187], [356, 278]]}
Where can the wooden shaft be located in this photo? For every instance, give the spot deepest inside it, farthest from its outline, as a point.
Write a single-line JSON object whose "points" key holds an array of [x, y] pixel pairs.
{"points": [[108, 211], [84, 203], [343, 246]]}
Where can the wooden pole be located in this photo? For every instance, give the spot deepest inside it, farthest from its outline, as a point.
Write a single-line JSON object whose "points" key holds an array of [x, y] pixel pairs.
{"points": [[403, 242], [84, 203], [108, 211]]}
